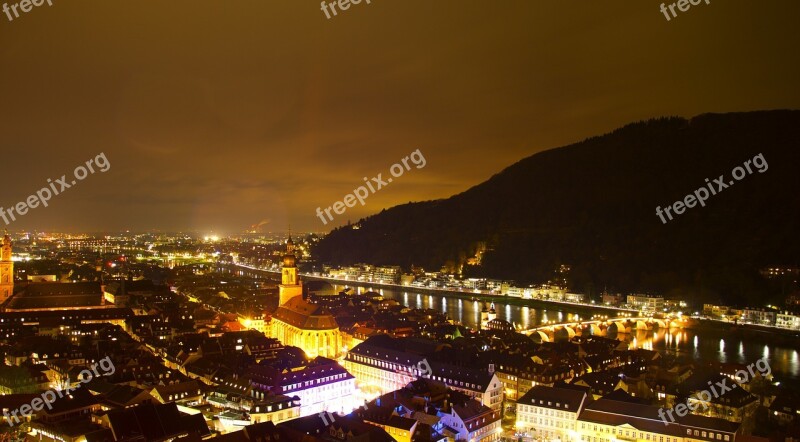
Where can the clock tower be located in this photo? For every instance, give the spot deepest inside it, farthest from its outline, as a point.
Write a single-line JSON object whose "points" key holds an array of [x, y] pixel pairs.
{"points": [[6, 270], [290, 283]]}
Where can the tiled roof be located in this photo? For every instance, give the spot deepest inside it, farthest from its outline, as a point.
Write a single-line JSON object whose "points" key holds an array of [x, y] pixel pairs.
{"points": [[301, 314], [646, 418]]}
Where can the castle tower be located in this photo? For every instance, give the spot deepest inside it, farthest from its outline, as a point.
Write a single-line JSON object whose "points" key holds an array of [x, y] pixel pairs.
{"points": [[6, 270], [290, 284]]}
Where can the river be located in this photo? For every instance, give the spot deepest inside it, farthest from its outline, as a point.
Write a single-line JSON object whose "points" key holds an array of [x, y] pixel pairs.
{"points": [[716, 345], [711, 345]]}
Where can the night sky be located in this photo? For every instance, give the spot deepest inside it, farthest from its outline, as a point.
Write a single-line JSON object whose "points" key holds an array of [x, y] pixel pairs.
{"points": [[216, 115]]}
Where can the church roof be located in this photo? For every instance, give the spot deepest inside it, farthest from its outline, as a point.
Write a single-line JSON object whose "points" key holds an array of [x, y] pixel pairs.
{"points": [[43, 295], [304, 315]]}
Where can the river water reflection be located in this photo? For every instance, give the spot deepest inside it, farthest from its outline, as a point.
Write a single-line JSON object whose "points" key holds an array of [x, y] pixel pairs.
{"points": [[709, 345]]}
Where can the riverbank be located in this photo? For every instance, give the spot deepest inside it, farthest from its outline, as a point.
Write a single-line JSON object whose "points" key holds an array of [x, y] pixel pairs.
{"points": [[750, 331], [459, 294]]}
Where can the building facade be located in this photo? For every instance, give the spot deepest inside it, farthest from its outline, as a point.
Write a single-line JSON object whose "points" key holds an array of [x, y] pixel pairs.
{"points": [[608, 420], [550, 412], [322, 386], [300, 323], [646, 303]]}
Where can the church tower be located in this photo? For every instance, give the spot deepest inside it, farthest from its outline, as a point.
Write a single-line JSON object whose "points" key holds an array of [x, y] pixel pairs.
{"points": [[290, 283], [6, 270]]}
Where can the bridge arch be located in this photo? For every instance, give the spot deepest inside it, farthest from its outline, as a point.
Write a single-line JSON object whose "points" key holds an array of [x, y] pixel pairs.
{"points": [[539, 336]]}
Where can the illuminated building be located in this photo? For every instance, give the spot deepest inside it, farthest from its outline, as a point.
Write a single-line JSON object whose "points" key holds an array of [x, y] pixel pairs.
{"points": [[564, 414], [427, 410], [381, 365], [646, 303], [471, 421], [487, 315], [290, 282], [299, 323], [322, 386], [549, 412], [6, 270], [607, 420], [379, 369]]}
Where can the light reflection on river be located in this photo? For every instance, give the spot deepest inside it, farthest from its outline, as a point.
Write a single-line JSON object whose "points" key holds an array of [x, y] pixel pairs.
{"points": [[711, 345]]}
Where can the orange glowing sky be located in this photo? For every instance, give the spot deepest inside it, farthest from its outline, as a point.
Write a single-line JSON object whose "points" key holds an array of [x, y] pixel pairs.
{"points": [[216, 115]]}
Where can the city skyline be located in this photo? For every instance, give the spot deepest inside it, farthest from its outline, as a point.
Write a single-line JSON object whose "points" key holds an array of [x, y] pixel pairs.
{"points": [[399, 221]]}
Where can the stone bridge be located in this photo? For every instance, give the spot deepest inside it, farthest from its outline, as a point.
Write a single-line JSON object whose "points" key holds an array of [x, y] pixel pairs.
{"points": [[605, 327]]}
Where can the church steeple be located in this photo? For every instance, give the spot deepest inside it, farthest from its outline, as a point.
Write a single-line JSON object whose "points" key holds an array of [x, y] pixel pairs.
{"points": [[290, 244], [6, 269], [290, 283]]}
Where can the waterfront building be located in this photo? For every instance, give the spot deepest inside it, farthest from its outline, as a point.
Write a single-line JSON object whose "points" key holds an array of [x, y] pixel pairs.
{"points": [[759, 316], [646, 303], [788, 320], [577, 298], [386, 274], [716, 311], [488, 314]]}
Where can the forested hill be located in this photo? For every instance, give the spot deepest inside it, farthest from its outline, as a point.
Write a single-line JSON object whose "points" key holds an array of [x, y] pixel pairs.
{"points": [[592, 205]]}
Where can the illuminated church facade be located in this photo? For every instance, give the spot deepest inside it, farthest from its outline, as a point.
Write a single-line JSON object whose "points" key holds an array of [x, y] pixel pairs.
{"points": [[299, 323]]}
